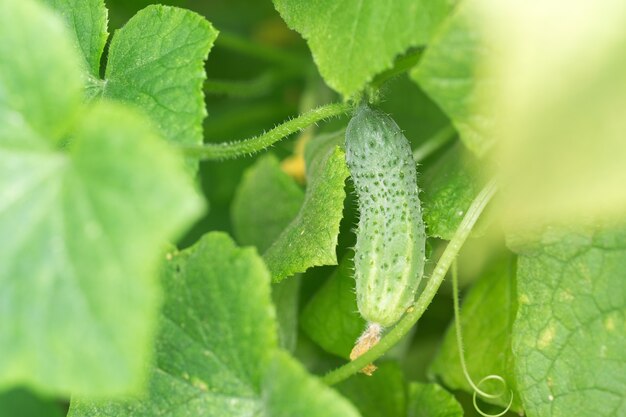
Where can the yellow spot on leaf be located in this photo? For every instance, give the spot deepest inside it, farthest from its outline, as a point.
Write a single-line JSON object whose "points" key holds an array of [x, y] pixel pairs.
{"points": [[546, 337]]}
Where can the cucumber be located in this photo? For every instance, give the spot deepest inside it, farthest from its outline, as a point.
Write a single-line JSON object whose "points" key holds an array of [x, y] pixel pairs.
{"points": [[390, 245]]}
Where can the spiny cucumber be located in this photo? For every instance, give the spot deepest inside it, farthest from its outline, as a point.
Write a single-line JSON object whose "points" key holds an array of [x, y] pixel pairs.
{"points": [[389, 251]]}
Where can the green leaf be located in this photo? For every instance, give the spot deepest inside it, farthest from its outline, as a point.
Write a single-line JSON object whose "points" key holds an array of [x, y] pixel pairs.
{"points": [[156, 62], [267, 199], [40, 83], [450, 73], [83, 195], [216, 353], [20, 402], [290, 391], [265, 202], [384, 394], [84, 263], [87, 19], [430, 400], [331, 319], [487, 316], [449, 187], [311, 238], [569, 338], [354, 40]]}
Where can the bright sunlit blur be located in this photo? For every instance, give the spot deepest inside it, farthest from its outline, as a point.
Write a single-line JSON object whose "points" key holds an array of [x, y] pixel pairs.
{"points": [[561, 107]]}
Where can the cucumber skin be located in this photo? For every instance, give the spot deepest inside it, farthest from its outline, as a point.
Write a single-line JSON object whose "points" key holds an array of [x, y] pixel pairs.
{"points": [[389, 251]]}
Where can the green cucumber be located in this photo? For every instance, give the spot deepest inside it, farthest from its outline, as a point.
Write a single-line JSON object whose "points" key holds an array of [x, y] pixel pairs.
{"points": [[389, 252]]}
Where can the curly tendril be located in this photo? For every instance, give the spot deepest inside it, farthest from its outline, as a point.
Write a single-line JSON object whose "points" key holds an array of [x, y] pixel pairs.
{"points": [[459, 341]]}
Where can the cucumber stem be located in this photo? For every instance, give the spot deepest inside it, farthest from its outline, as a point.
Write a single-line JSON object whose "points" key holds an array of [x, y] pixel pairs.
{"points": [[369, 338], [213, 151], [416, 311]]}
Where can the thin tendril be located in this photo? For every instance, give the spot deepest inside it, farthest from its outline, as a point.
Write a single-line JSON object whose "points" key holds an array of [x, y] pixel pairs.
{"points": [[459, 341]]}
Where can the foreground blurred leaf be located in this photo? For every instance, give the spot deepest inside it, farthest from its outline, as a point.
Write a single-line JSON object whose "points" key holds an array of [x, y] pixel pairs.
{"points": [[311, 238], [216, 353], [450, 73], [355, 40], [83, 195], [561, 119], [487, 316], [569, 335], [430, 400]]}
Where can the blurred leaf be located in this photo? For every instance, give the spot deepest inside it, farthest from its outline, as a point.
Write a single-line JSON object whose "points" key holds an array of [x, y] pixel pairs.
{"points": [[449, 187], [561, 115], [311, 238], [87, 19], [156, 62], [332, 318], [83, 195], [381, 395], [430, 400], [450, 73], [20, 402], [40, 85], [569, 334], [216, 353], [487, 316], [355, 40]]}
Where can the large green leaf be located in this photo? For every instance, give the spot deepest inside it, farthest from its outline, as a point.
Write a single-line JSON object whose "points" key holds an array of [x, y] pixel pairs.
{"points": [[83, 195], [311, 238], [569, 335], [156, 62], [430, 400], [487, 316], [87, 19], [216, 354], [450, 73], [331, 318], [354, 40]]}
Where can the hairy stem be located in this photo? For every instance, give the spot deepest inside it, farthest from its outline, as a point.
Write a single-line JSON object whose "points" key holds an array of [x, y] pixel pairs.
{"points": [[212, 151], [414, 313]]}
